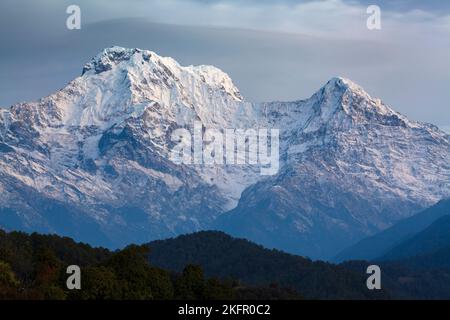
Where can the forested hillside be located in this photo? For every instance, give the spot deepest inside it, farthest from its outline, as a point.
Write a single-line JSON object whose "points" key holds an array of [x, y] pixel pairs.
{"points": [[203, 265], [34, 267], [221, 255]]}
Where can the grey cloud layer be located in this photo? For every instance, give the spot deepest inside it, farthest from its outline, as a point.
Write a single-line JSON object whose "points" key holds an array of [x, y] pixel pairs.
{"points": [[406, 63]]}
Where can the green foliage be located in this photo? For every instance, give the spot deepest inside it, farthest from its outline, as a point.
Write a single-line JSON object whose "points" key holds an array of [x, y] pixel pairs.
{"points": [[205, 265], [190, 284], [7, 277], [133, 270], [272, 274], [161, 284], [47, 274], [99, 283], [223, 257], [139, 280], [9, 284], [33, 267], [218, 290]]}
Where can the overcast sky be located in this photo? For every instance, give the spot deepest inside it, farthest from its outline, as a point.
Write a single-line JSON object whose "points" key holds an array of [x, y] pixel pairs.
{"points": [[273, 50]]}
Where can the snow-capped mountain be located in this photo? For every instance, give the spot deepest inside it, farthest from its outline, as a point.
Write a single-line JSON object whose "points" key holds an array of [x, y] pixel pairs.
{"points": [[92, 160], [352, 167]]}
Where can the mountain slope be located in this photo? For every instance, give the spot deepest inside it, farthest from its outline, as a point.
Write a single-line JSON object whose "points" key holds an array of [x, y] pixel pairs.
{"points": [[92, 160], [433, 260], [378, 245], [428, 241]]}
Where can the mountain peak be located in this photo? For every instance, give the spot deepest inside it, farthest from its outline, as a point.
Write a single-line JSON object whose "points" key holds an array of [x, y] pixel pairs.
{"points": [[343, 94], [341, 85], [341, 81], [107, 57], [148, 61]]}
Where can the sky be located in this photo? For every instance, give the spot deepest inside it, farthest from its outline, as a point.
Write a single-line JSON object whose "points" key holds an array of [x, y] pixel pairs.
{"points": [[273, 50]]}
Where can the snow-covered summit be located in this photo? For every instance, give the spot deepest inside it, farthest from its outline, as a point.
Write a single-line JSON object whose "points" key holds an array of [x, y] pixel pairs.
{"points": [[339, 92], [128, 59]]}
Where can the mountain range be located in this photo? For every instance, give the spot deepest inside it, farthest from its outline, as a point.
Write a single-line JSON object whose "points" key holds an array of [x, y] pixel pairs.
{"points": [[394, 240], [414, 248], [92, 161]]}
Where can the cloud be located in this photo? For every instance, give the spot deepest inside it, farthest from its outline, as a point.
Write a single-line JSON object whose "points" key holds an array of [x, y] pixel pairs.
{"points": [[323, 17], [294, 48], [335, 18]]}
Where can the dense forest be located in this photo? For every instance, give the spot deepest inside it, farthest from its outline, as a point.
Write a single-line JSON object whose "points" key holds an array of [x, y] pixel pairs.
{"points": [[205, 265], [221, 255], [34, 267]]}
